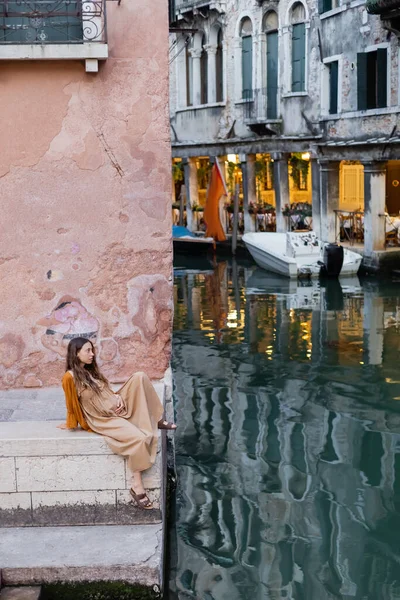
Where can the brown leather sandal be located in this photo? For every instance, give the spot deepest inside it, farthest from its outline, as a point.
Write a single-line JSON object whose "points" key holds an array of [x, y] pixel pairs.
{"points": [[166, 425], [142, 500]]}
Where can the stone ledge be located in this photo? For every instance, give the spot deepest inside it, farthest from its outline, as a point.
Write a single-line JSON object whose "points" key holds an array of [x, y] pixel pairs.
{"points": [[54, 477], [49, 554], [20, 593]]}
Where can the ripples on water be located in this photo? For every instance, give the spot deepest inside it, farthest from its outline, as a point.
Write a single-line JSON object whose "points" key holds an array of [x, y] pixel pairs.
{"points": [[288, 448]]}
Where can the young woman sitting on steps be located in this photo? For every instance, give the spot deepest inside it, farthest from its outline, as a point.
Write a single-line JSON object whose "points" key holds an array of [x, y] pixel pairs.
{"points": [[127, 419]]}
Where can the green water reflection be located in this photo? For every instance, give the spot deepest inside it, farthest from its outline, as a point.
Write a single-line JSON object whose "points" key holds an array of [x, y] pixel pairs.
{"points": [[288, 447]]}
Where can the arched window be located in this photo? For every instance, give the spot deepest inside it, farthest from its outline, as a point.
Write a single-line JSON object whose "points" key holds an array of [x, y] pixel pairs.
{"points": [[203, 72], [189, 77], [271, 31], [297, 19], [247, 59], [219, 69]]}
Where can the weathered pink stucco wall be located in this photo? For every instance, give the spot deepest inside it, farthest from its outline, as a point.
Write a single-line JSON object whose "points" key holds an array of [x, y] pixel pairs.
{"points": [[85, 192]]}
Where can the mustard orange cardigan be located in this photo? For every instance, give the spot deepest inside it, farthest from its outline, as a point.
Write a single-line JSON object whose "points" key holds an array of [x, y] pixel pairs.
{"points": [[74, 410]]}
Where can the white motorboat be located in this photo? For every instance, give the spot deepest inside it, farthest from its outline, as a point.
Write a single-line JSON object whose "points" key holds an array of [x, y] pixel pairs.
{"points": [[296, 254]]}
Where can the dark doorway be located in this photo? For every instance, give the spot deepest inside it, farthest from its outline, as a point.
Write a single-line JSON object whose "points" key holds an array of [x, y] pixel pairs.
{"points": [[393, 187]]}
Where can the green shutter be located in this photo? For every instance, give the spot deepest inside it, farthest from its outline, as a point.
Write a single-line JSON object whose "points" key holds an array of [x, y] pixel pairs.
{"points": [[247, 67], [362, 80], [333, 87], [381, 77], [298, 57], [324, 6], [272, 75]]}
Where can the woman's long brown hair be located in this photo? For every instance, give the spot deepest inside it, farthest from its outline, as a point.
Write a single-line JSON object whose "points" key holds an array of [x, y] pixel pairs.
{"points": [[84, 375]]}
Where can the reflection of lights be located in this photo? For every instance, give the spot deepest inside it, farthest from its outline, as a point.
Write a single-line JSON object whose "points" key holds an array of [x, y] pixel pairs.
{"points": [[390, 380], [305, 156], [232, 158], [361, 362]]}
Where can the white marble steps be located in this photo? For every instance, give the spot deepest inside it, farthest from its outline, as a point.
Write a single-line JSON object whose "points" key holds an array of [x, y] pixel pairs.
{"points": [[32, 556], [56, 477]]}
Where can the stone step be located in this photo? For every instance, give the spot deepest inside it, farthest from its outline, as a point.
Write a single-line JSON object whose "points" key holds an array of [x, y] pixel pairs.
{"points": [[20, 593], [33, 556], [51, 476]]}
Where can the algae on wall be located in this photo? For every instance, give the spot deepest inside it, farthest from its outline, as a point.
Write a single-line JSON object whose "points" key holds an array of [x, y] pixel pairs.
{"points": [[98, 591]]}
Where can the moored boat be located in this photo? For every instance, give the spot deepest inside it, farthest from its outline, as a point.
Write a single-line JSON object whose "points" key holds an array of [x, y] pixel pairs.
{"points": [[186, 242], [296, 254]]}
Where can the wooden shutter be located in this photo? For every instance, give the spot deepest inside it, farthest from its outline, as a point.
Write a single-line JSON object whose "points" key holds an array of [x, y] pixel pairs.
{"points": [[298, 57], [247, 67], [333, 87], [272, 75], [381, 77], [362, 80]]}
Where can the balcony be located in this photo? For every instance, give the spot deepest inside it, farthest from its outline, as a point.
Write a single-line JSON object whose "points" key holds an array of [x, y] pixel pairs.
{"points": [[260, 112], [54, 30], [190, 8], [389, 11]]}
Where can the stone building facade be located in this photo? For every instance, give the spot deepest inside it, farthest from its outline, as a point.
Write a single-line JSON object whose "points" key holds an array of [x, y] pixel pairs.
{"points": [[278, 78], [85, 245]]}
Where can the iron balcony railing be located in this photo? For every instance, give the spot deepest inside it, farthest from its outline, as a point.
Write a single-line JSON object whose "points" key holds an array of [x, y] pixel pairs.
{"points": [[53, 21]]}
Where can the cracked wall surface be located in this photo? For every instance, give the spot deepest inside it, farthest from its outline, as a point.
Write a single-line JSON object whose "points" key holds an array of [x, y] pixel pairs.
{"points": [[85, 245]]}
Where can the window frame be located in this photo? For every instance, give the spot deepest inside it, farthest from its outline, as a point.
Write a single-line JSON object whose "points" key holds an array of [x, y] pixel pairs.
{"points": [[325, 85], [362, 74]]}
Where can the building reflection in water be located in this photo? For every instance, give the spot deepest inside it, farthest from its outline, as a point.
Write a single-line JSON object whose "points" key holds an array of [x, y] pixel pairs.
{"points": [[288, 447]]}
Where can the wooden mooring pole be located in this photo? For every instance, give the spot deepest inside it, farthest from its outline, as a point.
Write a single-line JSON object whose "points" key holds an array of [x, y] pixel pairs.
{"points": [[235, 224]]}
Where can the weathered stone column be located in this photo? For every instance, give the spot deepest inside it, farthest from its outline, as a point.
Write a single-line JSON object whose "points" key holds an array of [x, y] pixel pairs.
{"points": [[211, 72], [249, 189], [192, 190], [195, 53], [281, 185], [329, 195], [316, 197], [374, 206]]}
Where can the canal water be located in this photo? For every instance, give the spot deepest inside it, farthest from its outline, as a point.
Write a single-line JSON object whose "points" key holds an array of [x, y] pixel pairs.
{"points": [[287, 396]]}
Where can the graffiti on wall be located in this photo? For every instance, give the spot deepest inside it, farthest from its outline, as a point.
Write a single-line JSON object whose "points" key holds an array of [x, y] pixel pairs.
{"points": [[68, 320]]}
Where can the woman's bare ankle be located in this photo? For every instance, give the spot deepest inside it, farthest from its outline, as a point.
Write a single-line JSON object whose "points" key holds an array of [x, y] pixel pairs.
{"points": [[137, 483]]}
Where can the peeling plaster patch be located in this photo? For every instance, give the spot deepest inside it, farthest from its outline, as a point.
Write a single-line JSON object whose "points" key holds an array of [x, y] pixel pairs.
{"points": [[92, 157], [46, 294], [123, 218], [75, 267], [62, 230], [153, 208], [116, 266], [108, 350], [75, 248], [31, 381], [148, 297], [11, 349]]}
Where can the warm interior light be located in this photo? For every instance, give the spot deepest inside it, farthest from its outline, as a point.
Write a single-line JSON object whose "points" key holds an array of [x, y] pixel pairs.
{"points": [[231, 158], [305, 156]]}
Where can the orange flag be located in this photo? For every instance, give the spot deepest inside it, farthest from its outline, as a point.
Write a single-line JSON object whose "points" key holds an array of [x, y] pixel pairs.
{"points": [[216, 190]]}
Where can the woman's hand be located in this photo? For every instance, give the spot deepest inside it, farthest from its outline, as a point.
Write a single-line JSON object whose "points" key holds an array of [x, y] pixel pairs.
{"points": [[120, 409]]}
